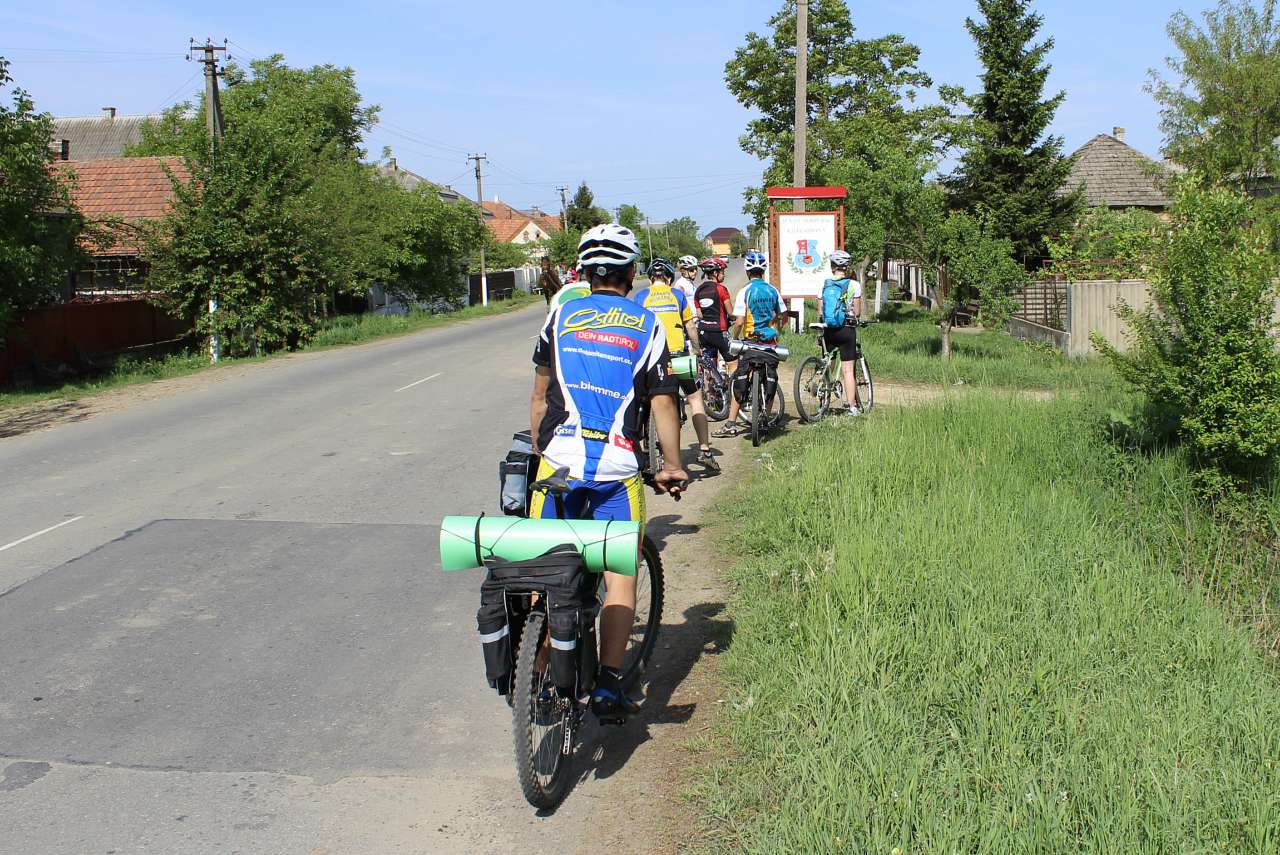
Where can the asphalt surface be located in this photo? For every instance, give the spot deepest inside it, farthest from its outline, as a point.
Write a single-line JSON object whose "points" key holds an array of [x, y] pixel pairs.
{"points": [[224, 626]]}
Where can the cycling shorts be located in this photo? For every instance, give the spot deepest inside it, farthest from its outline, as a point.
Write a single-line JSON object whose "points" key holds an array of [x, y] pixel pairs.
{"points": [[715, 340], [688, 387], [844, 339], [593, 500]]}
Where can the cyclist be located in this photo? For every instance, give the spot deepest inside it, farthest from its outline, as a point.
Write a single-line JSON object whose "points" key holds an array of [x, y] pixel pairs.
{"points": [[714, 313], [840, 294], [597, 358], [688, 266], [758, 310], [676, 315]]}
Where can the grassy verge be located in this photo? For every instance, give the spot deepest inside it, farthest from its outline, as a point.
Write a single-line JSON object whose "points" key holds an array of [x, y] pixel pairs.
{"points": [[334, 332], [965, 628], [905, 347]]}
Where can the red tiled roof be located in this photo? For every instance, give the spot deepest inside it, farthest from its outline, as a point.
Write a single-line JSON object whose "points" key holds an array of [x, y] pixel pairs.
{"points": [[128, 188], [507, 222], [723, 234]]}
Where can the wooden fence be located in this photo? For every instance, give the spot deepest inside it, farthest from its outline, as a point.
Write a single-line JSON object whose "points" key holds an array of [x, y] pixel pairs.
{"points": [[75, 333]]}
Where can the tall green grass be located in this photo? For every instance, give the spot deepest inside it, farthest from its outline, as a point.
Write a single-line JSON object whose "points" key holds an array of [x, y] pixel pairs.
{"points": [[959, 629], [905, 346]]}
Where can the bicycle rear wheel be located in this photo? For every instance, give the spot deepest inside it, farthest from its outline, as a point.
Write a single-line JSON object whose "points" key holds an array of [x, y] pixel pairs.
{"points": [[757, 408], [542, 723], [650, 594], [715, 395], [812, 391], [864, 395]]}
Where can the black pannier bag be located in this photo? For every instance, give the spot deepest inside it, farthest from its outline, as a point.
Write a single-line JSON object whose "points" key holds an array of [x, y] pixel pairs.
{"points": [[515, 474], [561, 578], [742, 377]]}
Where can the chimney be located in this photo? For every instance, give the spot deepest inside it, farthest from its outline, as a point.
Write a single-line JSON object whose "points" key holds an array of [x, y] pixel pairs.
{"points": [[108, 112], [60, 149], [1118, 133], [391, 162]]}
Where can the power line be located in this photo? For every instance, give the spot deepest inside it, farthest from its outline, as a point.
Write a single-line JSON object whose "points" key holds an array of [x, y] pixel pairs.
{"points": [[400, 131], [168, 99]]}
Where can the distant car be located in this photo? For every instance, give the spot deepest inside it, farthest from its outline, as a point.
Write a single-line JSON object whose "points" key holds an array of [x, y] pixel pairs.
{"points": [[723, 258]]}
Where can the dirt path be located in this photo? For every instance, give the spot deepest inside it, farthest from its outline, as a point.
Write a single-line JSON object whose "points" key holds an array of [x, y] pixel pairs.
{"points": [[644, 765]]}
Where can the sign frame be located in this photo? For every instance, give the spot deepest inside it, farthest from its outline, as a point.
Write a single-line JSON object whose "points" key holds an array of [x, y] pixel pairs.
{"points": [[775, 194]]}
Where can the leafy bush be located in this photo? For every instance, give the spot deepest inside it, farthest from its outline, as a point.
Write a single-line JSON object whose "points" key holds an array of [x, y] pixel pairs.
{"points": [[1107, 244], [1203, 352]]}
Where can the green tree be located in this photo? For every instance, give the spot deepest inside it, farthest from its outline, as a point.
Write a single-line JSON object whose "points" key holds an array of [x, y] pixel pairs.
{"points": [[318, 109], [865, 129], [970, 263], [738, 244], [501, 256], [562, 247], [39, 223], [631, 217], [1221, 113], [284, 219], [582, 212], [1203, 353], [1012, 171]]}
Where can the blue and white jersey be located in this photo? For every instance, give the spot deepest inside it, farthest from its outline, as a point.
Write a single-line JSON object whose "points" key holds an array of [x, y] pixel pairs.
{"points": [[759, 305], [606, 355]]}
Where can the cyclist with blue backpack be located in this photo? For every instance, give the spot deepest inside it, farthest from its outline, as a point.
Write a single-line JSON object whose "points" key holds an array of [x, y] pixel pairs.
{"points": [[841, 307]]}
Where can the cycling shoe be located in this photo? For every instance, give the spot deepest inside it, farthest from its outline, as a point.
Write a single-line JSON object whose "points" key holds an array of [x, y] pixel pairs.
{"points": [[612, 707]]}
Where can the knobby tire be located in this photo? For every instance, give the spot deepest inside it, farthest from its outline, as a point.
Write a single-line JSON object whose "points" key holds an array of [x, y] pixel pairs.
{"points": [[757, 407], [545, 771], [812, 390]]}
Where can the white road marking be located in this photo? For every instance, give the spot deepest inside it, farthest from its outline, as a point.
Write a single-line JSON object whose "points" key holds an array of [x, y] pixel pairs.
{"points": [[40, 532], [416, 382]]}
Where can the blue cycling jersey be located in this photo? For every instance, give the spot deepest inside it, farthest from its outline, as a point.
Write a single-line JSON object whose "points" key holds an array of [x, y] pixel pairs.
{"points": [[606, 355], [759, 305]]}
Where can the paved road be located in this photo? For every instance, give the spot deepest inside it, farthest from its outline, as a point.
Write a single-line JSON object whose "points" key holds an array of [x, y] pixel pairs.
{"points": [[239, 639]]}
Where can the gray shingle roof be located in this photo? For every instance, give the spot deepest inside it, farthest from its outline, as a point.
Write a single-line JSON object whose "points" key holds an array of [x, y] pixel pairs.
{"points": [[409, 180], [99, 137], [1115, 175]]}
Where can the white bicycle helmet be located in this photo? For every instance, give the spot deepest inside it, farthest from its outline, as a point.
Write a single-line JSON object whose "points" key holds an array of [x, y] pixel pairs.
{"points": [[607, 246], [687, 262], [840, 258]]}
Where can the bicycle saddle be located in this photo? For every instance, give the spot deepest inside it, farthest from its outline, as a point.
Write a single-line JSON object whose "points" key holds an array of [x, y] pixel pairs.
{"points": [[817, 326], [555, 484]]}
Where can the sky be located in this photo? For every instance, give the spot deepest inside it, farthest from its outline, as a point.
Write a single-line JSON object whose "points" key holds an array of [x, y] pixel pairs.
{"points": [[629, 97]]}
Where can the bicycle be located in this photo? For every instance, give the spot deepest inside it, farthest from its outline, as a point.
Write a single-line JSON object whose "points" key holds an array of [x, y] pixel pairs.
{"points": [[716, 389], [544, 720], [819, 380], [649, 439], [756, 358]]}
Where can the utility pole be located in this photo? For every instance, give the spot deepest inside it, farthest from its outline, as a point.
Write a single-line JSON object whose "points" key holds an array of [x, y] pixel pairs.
{"points": [[802, 98], [484, 281], [213, 121], [564, 222]]}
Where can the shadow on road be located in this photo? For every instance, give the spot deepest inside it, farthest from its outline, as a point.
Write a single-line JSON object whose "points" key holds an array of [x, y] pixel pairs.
{"points": [[703, 632], [40, 416]]}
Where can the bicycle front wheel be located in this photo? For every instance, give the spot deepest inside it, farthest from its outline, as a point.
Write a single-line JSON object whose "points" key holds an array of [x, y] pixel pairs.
{"points": [[812, 392], [542, 723], [715, 395], [655, 446], [864, 395]]}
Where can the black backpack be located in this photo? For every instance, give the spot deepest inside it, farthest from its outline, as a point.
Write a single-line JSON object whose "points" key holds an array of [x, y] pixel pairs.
{"points": [[561, 578]]}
